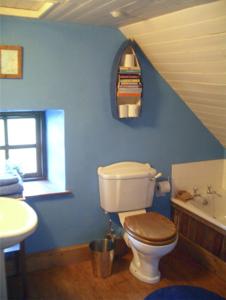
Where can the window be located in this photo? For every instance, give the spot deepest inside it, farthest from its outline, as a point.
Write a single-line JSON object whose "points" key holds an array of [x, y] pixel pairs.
{"points": [[23, 142]]}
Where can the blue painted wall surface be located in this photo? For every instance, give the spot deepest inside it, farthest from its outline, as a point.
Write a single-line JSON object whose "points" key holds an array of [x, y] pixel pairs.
{"points": [[68, 67]]}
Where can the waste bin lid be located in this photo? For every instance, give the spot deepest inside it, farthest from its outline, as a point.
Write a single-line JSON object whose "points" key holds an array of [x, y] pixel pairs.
{"points": [[101, 245]]}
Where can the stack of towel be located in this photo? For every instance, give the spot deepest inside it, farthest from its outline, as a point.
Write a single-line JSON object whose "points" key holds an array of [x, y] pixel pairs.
{"points": [[10, 183]]}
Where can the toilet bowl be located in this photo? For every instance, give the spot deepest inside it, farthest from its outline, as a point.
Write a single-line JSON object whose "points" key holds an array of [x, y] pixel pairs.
{"points": [[150, 236]]}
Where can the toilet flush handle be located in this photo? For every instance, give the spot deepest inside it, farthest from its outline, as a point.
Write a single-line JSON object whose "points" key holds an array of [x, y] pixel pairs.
{"points": [[156, 176]]}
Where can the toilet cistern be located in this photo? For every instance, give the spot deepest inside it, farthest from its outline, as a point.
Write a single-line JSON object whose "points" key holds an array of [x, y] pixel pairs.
{"points": [[126, 186]]}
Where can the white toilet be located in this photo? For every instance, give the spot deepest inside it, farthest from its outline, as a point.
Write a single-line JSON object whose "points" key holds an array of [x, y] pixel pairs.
{"points": [[127, 188]]}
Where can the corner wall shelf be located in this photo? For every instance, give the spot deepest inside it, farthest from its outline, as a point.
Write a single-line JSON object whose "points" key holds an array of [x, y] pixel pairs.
{"points": [[126, 82]]}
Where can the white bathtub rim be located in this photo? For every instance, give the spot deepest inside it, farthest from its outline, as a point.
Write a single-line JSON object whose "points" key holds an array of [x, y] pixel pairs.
{"points": [[198, 212]]}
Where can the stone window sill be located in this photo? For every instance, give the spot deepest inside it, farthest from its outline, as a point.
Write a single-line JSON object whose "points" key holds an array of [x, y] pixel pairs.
{"points": [[42, 189]]}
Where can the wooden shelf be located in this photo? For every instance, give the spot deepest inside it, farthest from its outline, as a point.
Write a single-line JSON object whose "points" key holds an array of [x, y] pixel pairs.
{"points": [[126, 82]]}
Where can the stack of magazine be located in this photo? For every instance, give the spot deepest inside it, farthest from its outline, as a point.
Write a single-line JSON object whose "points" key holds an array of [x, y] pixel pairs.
{"points": [[129, 82]]}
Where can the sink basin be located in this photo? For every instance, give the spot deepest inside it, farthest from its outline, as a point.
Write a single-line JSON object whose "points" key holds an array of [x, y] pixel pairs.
{"points": [[17, 221]]}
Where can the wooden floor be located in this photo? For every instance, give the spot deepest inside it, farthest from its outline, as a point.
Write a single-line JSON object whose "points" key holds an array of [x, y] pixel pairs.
{"points": [[76, 282]]}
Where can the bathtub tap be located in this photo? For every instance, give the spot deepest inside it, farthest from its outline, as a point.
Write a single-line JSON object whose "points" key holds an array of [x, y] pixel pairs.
{"points": [[196, 192], [211, 191], [196, 195]]}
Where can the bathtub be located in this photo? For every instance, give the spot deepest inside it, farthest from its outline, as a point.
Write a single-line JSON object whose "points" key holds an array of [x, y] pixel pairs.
{"points": [[202, 221], [211, 208]]}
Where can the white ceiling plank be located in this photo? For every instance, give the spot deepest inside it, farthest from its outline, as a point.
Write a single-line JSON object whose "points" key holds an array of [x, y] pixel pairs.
{"points": [[77, 10], [204, 67], [210, 102], [189, 56], [212, 43], [186, 16], [190, 31], [102, 14], [220, 111], [211, 78], [66, 8], [94, 11], [63, 8], [194, 43], [200, 87]]}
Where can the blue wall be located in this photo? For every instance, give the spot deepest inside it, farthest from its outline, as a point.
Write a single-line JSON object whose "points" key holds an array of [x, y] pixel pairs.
{"points": [[68, 67]]}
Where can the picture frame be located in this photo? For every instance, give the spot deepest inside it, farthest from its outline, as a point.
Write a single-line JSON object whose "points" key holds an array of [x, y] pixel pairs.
{"points": [[11, 61]]}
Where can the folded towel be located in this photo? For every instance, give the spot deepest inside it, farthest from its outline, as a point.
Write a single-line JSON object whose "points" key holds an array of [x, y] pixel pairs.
{"points": [[7, 178], [11, 189]]}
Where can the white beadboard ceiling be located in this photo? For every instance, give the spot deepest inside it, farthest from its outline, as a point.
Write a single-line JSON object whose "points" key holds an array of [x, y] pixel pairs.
{"points": [[188, 48], [97, 12]]}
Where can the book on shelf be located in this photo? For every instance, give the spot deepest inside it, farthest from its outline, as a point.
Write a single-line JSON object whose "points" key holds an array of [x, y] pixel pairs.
{"points": [[129, 72], [129, 68], [129, 92], [130, 80], [119, 94], [129, 76], [134, 88], [129, 84], [132, 85]]}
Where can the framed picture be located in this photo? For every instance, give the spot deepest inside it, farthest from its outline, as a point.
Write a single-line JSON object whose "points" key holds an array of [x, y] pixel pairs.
{"points": [[10, 61]]}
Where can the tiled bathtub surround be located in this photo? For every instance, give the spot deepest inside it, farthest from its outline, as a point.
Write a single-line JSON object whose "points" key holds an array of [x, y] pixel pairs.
{"points": [[199, 174]]}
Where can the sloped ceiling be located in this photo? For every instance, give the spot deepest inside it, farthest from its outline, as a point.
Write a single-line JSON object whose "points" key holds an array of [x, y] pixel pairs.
{"points": [[188, 48]]}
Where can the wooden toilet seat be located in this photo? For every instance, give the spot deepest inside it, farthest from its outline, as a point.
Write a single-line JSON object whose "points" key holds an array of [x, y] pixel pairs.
{"points": [[151, 228]]}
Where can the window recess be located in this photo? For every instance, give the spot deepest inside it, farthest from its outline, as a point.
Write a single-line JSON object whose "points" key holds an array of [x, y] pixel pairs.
{"points": [[23, 142]]}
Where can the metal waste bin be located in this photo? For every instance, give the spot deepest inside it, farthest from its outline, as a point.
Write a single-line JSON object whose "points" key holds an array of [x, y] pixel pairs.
{"points": [[102, 252]]}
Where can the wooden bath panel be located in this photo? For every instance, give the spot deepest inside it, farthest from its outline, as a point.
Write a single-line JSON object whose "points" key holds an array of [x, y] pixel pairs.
{"points": [[200, 231]]}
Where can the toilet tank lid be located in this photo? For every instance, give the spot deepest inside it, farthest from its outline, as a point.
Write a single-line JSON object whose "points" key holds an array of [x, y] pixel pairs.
{"points": [[126, 170]]}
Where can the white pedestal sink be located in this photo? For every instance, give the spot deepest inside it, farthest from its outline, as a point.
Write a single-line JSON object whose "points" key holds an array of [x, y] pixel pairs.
{"points": [[17, 221]]}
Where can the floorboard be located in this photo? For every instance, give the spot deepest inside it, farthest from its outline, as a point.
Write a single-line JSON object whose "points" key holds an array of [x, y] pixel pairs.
{"points": [[76, 282]]}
